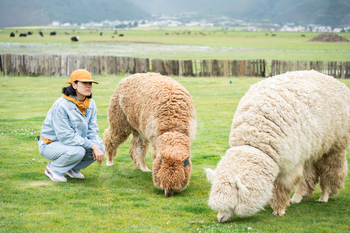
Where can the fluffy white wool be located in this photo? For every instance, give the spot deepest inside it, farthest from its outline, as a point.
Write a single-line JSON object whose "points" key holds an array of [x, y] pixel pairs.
{"points": [[280, 124]]}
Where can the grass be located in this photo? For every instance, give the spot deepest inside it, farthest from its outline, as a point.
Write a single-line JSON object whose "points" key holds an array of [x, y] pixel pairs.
{"points": [[244, 45], [123, 198]]}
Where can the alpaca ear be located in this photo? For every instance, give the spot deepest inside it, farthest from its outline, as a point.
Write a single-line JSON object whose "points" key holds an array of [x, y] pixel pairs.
{"points": [[210, 174], [241, 187]]}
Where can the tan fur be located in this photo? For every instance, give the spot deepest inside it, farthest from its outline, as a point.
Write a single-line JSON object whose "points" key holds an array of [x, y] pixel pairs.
{"points": [[299, 120], [159, 111], [305, 185]]}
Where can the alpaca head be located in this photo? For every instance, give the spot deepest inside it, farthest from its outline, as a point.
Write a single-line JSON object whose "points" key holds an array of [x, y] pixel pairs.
{"points": [[242, 183], [172, 166]]}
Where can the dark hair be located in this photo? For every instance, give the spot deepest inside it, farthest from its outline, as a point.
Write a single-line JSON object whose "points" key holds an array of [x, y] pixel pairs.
{"points": [[71, 91]]}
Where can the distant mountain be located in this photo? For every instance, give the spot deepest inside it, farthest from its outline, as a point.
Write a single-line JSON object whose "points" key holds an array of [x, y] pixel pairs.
{"points": [[43, 12], [324, 12]]}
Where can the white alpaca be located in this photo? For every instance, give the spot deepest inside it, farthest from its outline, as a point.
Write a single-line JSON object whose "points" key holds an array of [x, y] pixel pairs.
{"points": [[286, 129]]}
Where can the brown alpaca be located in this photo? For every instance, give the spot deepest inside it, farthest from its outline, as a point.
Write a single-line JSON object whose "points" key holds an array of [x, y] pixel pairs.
{"points": [[159, 111]]}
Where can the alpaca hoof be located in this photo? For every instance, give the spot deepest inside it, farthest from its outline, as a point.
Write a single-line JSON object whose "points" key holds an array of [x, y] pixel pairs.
{"points": [[168, 192], [279, 213], [146, 169], [324, 197], [109, 163], [294, 201]]}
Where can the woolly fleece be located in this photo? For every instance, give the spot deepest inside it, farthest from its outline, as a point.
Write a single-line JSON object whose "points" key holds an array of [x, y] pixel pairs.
{"points": [[157, 110], [287, 130]]}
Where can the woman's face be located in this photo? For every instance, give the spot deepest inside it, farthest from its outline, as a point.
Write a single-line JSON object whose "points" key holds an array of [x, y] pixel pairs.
{"points": [[82, 89]]}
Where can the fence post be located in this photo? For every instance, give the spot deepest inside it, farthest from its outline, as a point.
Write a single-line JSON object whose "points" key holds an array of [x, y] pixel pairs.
{"points": [[242, 68], [180, 68], [342, 75], [205, 68], [248, 68], [267, 68], [273, 68], [188, 68], [158, 66], [195, 67], [168, 67], [1, 59], [215, 68], [12, 64], [114, 65]]}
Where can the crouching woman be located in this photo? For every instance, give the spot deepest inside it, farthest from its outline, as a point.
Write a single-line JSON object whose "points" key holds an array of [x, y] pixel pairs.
{"points": [[69, 136]]}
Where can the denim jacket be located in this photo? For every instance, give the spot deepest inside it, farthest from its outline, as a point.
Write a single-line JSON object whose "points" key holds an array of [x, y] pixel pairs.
{"points": [[66, 123]]}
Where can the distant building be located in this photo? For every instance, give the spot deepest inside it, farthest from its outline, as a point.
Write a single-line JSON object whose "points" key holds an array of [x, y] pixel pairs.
{"points": [[287, 28], [337, 30], [192, 24], [55, 23], [251, 29]]}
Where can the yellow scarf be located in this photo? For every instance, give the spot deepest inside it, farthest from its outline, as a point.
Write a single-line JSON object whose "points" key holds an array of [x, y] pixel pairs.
{"points": [[81, 105], [47, 141]]}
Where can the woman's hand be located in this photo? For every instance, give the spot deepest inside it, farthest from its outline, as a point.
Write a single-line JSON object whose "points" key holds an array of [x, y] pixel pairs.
{"points": [[97, 154]]}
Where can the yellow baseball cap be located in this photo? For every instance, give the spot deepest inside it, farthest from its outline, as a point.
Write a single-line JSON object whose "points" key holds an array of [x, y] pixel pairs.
{"points": [[81, 75]]}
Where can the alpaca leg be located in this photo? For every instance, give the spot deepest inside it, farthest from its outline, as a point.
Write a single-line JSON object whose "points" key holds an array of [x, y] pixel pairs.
{"points": [[154, 152], [332, 169], [280, 199], [112, 139], [138, 151], [306, 185], [298, 195], [118, 131]]}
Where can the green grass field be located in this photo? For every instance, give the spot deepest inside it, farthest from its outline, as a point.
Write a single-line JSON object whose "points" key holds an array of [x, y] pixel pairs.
{"points": [[123, 198], [288, 46]]}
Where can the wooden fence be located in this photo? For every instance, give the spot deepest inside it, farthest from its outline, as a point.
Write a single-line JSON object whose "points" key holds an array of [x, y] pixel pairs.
{"points": [[337, 69], [64, 65]]}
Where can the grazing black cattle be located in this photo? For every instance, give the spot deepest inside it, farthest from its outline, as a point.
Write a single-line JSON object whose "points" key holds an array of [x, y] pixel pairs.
{"points": [[121, 34], [22, 35], [30, 33], [41, 34], [273, 35], [75, 38], [101, 33], [12, 34], [302, 35], [52, 33]]}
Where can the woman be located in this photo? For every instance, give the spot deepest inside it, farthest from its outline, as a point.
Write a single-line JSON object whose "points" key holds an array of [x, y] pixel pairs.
{"points": [[69, 136]]}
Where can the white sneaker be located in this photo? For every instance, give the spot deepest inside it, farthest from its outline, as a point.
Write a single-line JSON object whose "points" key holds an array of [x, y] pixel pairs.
{"points": [[73, 174], [53, 176]]}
